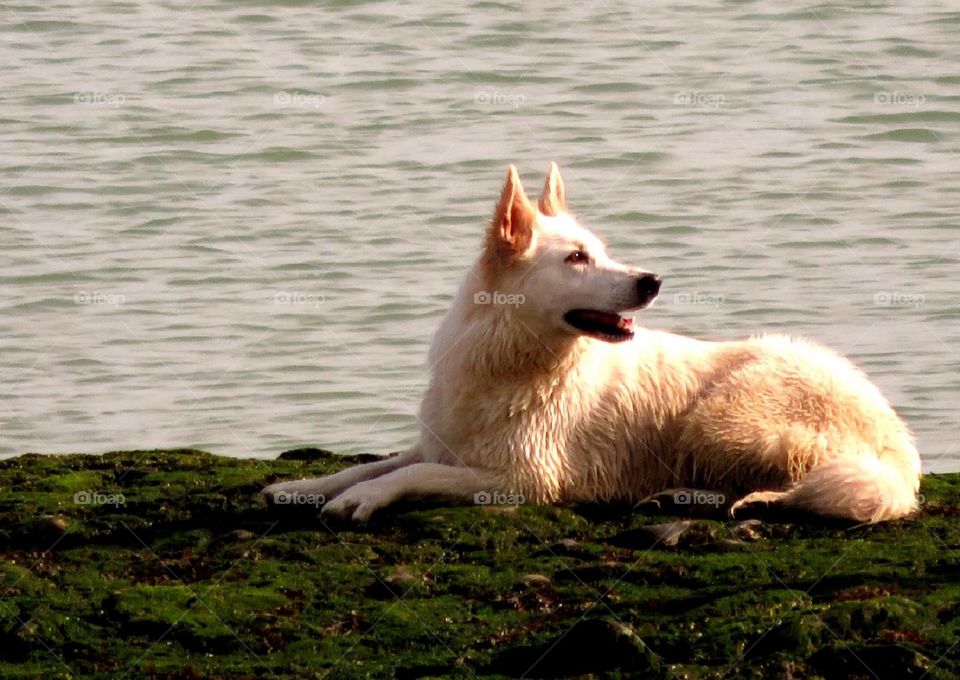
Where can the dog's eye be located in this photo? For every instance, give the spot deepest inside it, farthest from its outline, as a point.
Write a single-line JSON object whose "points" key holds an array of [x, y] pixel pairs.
{"points": [[578, 257]]}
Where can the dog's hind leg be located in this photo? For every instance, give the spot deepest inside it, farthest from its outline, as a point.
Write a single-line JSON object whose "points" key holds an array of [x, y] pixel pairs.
{"points": [[330, 486], [863, 487], [422, 480]]}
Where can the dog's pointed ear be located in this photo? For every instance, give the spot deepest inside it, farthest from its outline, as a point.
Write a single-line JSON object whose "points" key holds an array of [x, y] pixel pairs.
{"points": [[513, 218], [553, 200]]}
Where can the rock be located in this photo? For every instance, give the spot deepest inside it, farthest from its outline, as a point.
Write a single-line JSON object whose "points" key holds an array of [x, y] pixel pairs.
{"points": [[396, 584], [44, 529], [590, 646], [54, 524], [748, 530], [884, 662], [533, 579], [241, 535], [667, 534], [309, 453], [499, 509], [306, 453], [703, 534], [402, 576]]}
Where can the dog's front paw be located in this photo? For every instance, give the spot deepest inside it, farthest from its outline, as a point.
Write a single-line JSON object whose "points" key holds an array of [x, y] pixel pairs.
{"points": [[299, 492], [357, 503], [269, 493]]}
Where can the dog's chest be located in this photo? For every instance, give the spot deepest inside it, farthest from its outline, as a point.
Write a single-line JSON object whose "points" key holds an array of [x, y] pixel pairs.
{"points": [[503, 424]]}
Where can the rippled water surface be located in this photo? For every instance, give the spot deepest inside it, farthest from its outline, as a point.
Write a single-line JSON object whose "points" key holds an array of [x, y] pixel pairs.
{"points": [[235, 225]]}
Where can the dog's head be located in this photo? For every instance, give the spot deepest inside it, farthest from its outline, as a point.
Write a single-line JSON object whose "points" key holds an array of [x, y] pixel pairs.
{"points": [[553, 272]]}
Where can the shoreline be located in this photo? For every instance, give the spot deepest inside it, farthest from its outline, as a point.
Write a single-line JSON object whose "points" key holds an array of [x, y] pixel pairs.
{"points": [[168, 564], [942, 468]]}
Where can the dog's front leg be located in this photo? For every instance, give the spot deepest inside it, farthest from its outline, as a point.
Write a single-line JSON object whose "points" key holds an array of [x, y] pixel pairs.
{"points": [[422, 480], [331, 486]]}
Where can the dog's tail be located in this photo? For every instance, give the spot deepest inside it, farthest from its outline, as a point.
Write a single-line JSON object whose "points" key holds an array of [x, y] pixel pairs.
{"points": [[866, 487]]}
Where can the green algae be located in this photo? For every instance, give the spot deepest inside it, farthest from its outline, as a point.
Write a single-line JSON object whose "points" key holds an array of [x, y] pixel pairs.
{"points": [[167, 564]]}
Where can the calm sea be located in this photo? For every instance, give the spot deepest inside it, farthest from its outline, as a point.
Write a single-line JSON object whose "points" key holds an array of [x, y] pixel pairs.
{"points": [[235, 225]]}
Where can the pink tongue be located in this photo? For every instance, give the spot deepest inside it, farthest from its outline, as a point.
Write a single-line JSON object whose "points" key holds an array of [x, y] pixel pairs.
{"points": [[602, 317]]}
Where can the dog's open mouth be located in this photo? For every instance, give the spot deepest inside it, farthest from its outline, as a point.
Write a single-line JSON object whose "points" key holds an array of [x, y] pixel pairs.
{"points": [[608, 326]]}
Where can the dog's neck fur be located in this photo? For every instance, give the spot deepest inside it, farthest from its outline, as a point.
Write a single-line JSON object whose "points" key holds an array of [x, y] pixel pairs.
{"points": [[492, 342]]}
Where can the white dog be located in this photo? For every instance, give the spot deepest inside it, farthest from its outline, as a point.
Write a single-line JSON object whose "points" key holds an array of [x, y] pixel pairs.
{"points": [[542, 390]]}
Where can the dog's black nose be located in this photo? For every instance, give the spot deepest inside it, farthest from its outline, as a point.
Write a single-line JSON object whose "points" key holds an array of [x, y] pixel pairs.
{"points": [[648, 286]]}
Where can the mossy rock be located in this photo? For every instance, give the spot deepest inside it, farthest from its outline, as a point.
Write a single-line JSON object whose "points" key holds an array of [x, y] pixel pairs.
{"points": [[167, 564]]}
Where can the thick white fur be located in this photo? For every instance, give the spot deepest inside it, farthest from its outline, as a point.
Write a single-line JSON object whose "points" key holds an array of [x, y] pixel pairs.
{"points": [[522, 403]]}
